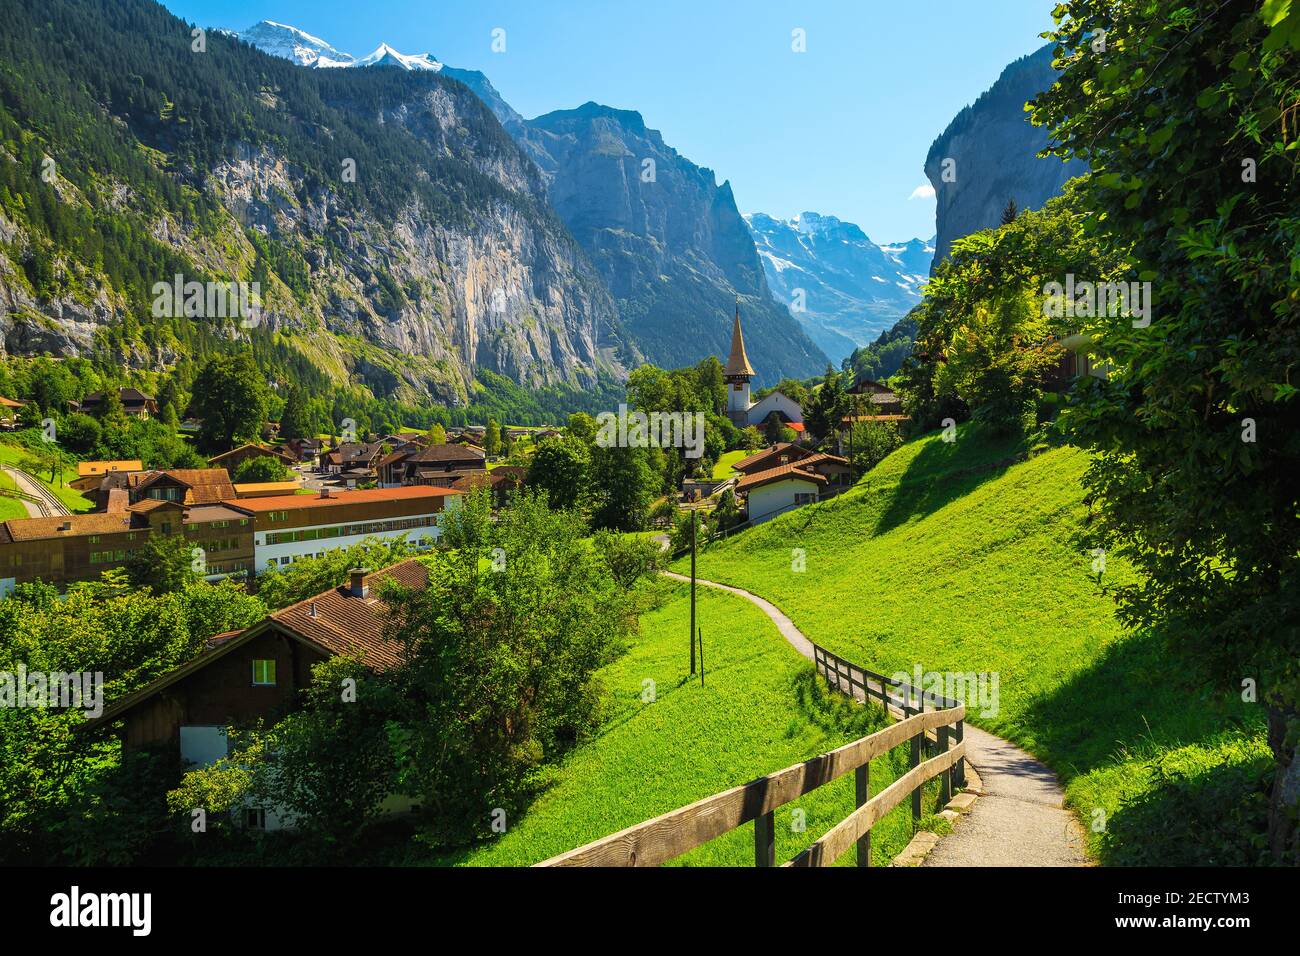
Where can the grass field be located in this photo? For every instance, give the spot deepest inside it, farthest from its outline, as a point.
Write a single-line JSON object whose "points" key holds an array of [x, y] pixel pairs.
{"points": [[723, 468], [74, 500], [953, 556], [10, 507], [762, 709]]}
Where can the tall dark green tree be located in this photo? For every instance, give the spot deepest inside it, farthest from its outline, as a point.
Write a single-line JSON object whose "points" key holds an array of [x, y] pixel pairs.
{"points": [[230, 398]]}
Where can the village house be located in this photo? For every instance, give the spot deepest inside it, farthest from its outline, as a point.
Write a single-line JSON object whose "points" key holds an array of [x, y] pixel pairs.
{"points": [[291, 527], [231, 460], [136, 403], [354, 457], [64, 549], [258, 673], [434, 465], [9, 412], [238, 536], [787, 476]]}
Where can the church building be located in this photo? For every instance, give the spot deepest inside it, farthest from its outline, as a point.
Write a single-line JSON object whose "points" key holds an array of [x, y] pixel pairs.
{"points": [[737, 374]]}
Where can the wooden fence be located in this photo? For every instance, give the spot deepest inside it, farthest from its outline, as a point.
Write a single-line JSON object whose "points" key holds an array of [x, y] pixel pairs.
{"points": [[897, 697], [680, 831]]}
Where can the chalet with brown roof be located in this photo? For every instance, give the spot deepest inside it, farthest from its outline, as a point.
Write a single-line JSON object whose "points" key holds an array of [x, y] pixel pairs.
{"points": [[788, 484], [9, 412], [231, 460], [257, 673], [879, 399], [434, 465], [191, 486], [136, 403], [351, 456], [782, 453]]}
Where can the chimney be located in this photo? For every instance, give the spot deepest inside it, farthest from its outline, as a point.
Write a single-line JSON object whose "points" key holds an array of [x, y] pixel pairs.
{"points": [[311, 611], [324, 492], [66, 526], [358, 587]]}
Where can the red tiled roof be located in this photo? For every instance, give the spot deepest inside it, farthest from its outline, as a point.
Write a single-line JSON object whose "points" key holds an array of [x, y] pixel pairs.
{"points": [[290, 502]]}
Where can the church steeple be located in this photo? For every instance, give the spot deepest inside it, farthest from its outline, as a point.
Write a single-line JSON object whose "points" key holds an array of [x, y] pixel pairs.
{"points": [[737, 375], [738, 368]]}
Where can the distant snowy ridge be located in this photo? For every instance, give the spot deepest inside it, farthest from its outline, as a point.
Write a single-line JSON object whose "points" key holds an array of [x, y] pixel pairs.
{"points": [[842, 287], [282, 40]]}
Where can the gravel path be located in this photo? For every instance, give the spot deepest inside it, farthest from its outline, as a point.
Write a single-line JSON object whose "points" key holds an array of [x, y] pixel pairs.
{"points": [[1019, 819], [48, 504]]}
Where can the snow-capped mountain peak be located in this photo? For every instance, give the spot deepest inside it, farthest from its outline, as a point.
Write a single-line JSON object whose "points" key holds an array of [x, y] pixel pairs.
{"points": [[280, 39], [385, 55], [842, 287]]}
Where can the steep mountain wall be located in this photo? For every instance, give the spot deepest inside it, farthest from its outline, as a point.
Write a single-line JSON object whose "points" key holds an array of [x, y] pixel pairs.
{"points": [[995, 148]]}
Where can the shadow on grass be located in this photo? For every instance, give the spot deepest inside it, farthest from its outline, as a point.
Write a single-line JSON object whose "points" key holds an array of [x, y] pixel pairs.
{"points": [[1199, 797], [1215, 817], [943, 472]]}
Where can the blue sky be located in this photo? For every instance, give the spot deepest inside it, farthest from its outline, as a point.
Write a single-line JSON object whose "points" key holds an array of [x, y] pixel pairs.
{"points": [[841, 129]]}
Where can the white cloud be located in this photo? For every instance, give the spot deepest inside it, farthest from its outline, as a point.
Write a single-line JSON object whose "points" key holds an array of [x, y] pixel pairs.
{"points": [[923, 191]]}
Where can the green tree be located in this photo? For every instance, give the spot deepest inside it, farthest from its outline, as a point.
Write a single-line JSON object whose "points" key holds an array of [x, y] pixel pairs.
{"points": [[437, 435], [164, 563], [561, 467], [623, 486], [110, 411], [230, 398], [297, 420], [263, 468], [1187, 120], [80, 433], [524, 610], [492, 438], [582, 427]]}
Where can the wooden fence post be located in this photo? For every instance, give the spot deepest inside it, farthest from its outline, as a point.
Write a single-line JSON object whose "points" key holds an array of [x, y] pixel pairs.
{"points": [[862, 793], [945, 778], [960, 766], [765, 839], [916, 794]]}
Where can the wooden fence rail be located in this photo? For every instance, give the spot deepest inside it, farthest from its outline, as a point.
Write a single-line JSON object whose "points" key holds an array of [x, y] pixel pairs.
{"points": [[679, 831], [894, 695]]}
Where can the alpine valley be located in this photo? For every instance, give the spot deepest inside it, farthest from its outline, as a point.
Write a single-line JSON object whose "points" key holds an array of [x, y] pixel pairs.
{"points": [[414, 239]]}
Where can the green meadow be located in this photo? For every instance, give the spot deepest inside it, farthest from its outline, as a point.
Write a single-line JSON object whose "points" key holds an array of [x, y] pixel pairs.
{"points": [[761, 708], [973, 555]]}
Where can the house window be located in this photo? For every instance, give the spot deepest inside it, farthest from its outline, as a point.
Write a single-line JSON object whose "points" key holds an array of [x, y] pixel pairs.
{"points": [[255, 818], [805, 499], [263, 673]]}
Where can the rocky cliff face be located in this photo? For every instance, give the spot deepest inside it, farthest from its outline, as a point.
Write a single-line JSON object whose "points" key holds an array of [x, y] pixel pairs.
{"points": [[669, 242], [994, 148], [850, 288], [438, 259]]}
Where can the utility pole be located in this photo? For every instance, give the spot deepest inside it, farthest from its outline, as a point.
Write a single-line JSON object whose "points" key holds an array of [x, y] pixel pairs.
{"points": [[694, 514]]}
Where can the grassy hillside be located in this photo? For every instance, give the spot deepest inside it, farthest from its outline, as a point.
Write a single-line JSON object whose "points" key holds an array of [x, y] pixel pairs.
{"points": [[10, 507], [762, 709], [72, 499], [963, 556]]}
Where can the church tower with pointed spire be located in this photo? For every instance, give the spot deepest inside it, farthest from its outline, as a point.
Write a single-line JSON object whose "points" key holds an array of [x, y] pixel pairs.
{"points": [[737, 375]]}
